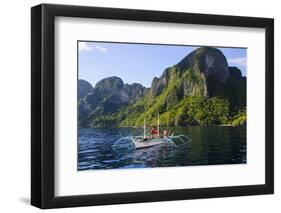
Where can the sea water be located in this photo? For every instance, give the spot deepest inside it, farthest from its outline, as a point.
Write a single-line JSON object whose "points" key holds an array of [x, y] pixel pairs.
{"points": [[211, 145]]}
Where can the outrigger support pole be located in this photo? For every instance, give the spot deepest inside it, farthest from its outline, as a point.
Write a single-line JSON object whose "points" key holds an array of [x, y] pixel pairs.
{"points": [[144, 128], [158, 124]]}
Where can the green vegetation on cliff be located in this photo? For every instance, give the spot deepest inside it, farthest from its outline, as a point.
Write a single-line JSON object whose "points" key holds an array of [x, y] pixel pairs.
{"points": [[194, 110], [200, 90]]}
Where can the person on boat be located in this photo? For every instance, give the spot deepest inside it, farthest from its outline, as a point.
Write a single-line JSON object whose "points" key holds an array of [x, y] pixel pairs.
{"points": [[153, 132], [165, 134]]}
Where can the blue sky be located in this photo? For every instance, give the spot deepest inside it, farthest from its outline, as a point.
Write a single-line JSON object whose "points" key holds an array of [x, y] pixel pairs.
{"points": [[139, 62]]}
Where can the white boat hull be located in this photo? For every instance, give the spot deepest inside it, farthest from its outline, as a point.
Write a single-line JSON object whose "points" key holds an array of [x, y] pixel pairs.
{"points": [[146, 144], [140, 143]]}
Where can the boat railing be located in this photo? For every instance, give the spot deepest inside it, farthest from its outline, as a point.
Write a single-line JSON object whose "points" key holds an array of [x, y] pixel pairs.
{"points": [[176, 141], [122, 142], [138, 138], [180, 140]]}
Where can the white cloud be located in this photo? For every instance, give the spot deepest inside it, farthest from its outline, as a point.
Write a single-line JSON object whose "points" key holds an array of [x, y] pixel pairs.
{"points": [[102, 49], [242, 61], [84, 47]]}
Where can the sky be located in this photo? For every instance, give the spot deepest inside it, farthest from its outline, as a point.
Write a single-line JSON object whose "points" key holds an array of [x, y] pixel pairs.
{"points": [[139, 63]]}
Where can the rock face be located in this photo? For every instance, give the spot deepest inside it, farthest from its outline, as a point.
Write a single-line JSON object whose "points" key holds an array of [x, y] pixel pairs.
{"points": [[194, 70], [114, 91], [209, 61], [235, 72], [204, 73], [84, 87], [158, 84], [108, 96], [111, 85], [134, 92]]}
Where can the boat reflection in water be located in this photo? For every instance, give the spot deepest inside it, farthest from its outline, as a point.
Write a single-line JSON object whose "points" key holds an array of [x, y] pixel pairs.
{"points": [[145, 141], [211, 145]]}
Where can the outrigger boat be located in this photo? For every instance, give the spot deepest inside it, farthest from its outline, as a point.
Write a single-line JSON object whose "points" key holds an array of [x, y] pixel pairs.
{"points": [[140, 142]]}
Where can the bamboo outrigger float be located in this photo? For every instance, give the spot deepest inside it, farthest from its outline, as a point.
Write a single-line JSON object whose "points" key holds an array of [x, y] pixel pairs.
{"points": [[140, 142]]}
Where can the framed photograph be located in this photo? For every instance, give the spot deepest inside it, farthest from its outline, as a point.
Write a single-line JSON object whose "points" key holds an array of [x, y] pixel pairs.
{"points": [[139, 106]]}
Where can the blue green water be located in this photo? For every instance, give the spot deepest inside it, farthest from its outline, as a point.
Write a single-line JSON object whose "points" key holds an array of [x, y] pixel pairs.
{"points": [[210, 146]]}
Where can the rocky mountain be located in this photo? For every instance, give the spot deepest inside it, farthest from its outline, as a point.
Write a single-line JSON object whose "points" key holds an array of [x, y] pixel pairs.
{"points": [[203, 72], [84, 87], [107, 97], [207, 60], [200, 89]]}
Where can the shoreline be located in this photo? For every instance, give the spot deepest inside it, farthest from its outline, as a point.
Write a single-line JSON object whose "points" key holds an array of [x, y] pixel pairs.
{"points": [[220, 125]]}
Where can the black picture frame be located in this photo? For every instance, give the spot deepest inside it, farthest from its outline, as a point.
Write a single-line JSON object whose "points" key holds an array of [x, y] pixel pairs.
{"points": [[43, 114]]}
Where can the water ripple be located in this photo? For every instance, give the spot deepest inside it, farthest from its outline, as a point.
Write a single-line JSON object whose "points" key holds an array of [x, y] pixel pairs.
{"points": [[211, 145]]}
